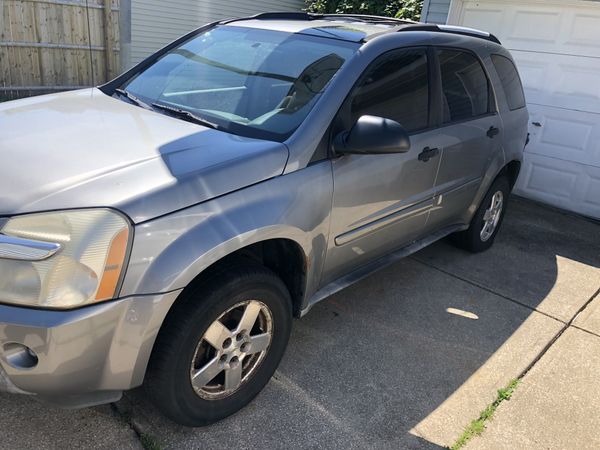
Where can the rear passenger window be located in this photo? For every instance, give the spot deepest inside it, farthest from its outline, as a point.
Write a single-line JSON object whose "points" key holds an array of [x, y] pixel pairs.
{"points": [[396, 87], [465, 88], [511, 83]]}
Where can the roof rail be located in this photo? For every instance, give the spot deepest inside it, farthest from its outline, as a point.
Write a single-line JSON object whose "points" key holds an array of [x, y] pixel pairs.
{"points": [[451, 29], [316, 16], [367, 18], [281, 16]]}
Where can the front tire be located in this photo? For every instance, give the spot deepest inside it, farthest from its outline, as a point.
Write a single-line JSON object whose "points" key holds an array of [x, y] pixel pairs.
{"points": [[220, 345], [487, 220]]}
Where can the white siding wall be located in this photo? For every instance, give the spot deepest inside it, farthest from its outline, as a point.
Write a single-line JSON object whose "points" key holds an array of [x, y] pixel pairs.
{"points": [[155, 23], [435, 11]]}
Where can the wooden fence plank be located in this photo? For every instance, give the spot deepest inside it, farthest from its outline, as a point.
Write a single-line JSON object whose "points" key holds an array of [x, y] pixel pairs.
{"points": [[51, 44], [108, 29], [79, 33], [32, 54]]}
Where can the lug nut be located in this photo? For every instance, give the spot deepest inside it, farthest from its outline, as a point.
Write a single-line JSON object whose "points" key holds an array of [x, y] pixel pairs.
{"points": [[223, 359], [234, 362], [240, 335], [245, 347], [226, 342]]}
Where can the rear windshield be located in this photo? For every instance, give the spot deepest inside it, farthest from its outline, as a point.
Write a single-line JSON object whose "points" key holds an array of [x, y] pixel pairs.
{"points": [[511, 83], [250, 82]]}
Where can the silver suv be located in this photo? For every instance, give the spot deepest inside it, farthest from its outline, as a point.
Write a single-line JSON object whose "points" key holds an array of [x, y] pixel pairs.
{"points": [[163, 229]]}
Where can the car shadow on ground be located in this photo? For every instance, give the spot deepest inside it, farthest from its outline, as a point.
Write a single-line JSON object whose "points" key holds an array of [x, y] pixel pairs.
{"points": [[394, 361]]}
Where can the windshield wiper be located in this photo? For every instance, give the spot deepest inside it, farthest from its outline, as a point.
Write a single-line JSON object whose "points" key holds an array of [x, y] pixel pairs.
{"points": [[186, 115], [181, 113], [132, 98]]}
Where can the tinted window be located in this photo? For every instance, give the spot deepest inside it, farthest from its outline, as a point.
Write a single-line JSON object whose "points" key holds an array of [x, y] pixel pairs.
{"points": [[511, 83], [396, 87], [465, 86]]}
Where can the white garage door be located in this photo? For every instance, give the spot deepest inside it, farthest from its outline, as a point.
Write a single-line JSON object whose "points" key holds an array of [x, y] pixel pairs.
{"points": [[556, 46]]}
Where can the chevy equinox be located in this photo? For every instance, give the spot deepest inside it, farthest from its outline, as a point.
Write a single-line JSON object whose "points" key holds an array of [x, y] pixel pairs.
{"points": [[164, 228]]}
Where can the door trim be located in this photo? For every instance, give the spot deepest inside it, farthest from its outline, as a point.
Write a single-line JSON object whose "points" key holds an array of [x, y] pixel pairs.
{"points": [[376, 225]]}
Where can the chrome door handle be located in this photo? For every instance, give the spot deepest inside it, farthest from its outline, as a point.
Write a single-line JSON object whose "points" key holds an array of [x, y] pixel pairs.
{"points": [[26, 249]]}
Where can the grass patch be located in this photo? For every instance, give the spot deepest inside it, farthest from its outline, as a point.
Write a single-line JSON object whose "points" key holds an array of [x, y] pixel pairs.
{"points": [[149, 442], [477, 426]]}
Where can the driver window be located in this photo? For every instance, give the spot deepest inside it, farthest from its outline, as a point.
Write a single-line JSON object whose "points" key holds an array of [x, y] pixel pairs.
{"points": [[396, 87]]}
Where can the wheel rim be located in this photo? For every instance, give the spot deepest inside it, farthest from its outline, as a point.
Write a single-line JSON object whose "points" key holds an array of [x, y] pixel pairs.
{"points": [[231, 350], [491, 217]]}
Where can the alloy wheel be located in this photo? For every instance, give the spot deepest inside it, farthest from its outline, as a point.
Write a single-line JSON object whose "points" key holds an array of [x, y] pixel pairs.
{"points": [[231, 350], [491, 216]]}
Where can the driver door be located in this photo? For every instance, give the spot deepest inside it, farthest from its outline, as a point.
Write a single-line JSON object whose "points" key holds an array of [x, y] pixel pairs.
{"points": [[382, 201]]}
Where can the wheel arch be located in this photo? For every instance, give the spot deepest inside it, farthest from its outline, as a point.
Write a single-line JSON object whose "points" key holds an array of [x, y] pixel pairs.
{"points": [[511, 170], [283, 256]]}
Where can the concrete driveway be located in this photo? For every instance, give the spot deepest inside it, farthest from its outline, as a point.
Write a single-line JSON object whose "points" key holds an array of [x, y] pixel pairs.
{"points": [[404, 359]]}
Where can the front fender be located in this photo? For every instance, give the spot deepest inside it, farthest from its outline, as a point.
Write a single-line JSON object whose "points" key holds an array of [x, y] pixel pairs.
{"points": [[169, 252]]}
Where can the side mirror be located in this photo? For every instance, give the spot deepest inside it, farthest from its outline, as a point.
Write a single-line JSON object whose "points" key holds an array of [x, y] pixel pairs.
{"points": [[372, 135]]}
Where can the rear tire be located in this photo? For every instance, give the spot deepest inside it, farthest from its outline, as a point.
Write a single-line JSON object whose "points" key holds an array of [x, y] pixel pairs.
{"points": [[487, 220], [220, 345]]}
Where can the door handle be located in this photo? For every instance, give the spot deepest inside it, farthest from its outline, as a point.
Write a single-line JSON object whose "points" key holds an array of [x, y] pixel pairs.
{"points": [[428, 153], [493, 131]]}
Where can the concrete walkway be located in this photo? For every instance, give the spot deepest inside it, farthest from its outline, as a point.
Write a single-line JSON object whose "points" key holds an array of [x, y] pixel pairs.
{"points": [[408, 357], [556, 405]]}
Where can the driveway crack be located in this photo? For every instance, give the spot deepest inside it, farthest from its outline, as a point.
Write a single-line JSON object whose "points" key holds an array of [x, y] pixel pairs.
{"points": [[477, 426], [559, 334], [147, 441], [577, 327]]}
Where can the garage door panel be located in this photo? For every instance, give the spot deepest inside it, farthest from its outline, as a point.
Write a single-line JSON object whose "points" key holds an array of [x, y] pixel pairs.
{"points": [[584, 31], [570, 82], [486, 17], [565, 134], [560, 183], [592, 193], [546, 177], [533, 28], [551, 27]]}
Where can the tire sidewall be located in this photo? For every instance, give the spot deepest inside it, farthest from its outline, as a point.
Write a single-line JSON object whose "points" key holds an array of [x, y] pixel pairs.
{"points": [[269, 290]]}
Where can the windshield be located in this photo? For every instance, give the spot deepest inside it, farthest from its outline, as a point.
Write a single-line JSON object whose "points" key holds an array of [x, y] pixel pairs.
{"points": [[251, 82]]}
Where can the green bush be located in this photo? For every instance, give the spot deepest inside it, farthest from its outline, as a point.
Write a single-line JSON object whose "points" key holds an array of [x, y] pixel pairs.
{"points": [[401, 9]]}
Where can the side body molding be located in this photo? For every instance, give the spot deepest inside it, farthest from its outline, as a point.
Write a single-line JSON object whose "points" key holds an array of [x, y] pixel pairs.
{"points": [[169, 252]]}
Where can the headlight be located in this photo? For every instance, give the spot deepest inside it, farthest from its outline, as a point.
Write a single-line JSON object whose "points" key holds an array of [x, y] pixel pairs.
{"points": [[63, 259]]}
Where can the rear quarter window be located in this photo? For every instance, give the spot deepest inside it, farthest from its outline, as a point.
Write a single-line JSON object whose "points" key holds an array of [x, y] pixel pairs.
{"points": [[465, 88], [511, 83]]}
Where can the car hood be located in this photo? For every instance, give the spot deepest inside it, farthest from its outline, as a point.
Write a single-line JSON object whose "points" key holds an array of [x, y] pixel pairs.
{"points": [[86, 149]]}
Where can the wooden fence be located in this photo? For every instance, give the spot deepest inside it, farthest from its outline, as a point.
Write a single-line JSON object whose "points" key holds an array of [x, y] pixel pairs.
{"points": [[54, 45]]}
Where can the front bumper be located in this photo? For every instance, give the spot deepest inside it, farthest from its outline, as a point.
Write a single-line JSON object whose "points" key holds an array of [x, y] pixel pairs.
{"points": [[86, 356]]}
